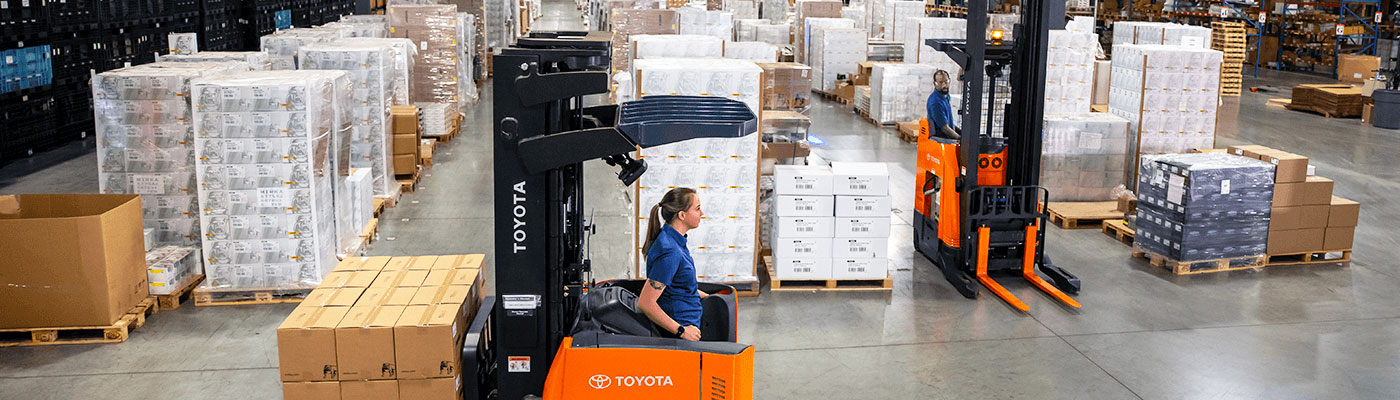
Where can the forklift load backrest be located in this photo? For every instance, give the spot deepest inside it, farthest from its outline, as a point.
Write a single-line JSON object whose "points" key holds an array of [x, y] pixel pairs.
{"points": [[658, 120]]}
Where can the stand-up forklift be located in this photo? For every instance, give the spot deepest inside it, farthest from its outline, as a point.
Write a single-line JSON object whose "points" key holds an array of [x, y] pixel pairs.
{"points": [[984, 220], [551, 331]]}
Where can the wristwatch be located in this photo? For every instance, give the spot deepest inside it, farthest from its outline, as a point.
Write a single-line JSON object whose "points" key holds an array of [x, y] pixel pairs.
{"points": [[680, 330]]}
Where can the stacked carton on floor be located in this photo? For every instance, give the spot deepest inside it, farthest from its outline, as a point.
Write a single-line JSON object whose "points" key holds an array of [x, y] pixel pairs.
{"points": [[406, 137], [900, 92], [371, 71], [1082, 156], [831, 223], [382, 328], [835, 52], [1306, 216], [1169, 96], [1204, 206], [434, 29]]}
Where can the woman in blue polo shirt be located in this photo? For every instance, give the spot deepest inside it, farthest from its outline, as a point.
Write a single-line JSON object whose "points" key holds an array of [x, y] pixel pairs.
{"points": [[670, 298]]}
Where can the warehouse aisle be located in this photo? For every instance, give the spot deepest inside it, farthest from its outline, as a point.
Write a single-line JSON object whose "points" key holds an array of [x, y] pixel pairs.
{"points": [[1320, 331]]}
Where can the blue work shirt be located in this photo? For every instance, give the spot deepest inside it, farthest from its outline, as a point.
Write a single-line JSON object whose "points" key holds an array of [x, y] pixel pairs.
{"points": [[669, 262], [940, 113]]}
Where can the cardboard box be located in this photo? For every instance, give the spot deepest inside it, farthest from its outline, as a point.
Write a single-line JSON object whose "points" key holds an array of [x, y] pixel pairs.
{"points": [[1127, 204], [1367, 114], [426, 341], [364, 342], [404, 119], [861, 227], [1209, 151], [1356, 68], [1248, 150], [782, 151], [422, 263], [451, 294], [846, 91], [860, 179], [361, 279], [306, 344], [860, 248], [1342, 212], [803, 227], [802, 268], [386, 279], [332, 297], [311, 391], [70, 260], [1288, 167], [398, 264], [803, 206], [859, 268], [1285, 218], [802, 247], [786, 86], [802, 180], [459, 261], [405, 144], [1338, 238], [336, 279], [1295, 241], [364, 390], [361, 264], [400, 296], [1312, 216], [405, 164], [374, 296], [1315, 190], [862, 206], [431, 389]]}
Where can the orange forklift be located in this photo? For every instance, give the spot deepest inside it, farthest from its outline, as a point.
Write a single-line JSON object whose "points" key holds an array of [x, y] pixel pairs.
{"points": [[984, 221]]}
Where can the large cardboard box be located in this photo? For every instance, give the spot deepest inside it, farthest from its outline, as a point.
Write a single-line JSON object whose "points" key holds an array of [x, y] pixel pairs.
{"points": [[786, 86], [1314, 216], [802, 247], [1343, 212], [426, 341], [1356, 68], [70, 260], [1288, 167], [1315, 190], [459, 261], [405, 164], [430, 389], [405, 119], [362, 264], [364, 343], [332, 297], [306, 344], [802, 179], [364, 390], [1248, 150], [311, 391], [405, 144], [1295, 241], [1285, 218], [422, 263], [1338, 238]]}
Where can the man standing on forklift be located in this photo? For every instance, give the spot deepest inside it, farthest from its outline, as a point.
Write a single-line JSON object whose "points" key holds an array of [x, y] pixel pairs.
{"points": [[940, 110]]}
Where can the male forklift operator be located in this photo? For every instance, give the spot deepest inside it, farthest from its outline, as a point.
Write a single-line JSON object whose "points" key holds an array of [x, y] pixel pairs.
{"points": [[940, 110], [671, 299]]}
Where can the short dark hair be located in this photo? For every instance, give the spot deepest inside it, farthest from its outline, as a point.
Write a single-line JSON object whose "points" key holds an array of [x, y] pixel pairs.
{"points": [[940, 72]]}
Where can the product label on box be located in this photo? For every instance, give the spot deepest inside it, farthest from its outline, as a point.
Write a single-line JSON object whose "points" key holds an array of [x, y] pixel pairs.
{"points": [[147, 184], [1176, 188], [238, 222], [1225, 186], [261, 92], [272, 197], [229, 93], [1090, 140], [265, 170]]}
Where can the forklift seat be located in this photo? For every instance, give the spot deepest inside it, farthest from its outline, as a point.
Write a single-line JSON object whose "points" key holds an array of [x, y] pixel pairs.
{"points": [[614, 310]]}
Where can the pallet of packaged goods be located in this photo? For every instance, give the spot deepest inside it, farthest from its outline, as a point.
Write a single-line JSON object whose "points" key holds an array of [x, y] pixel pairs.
{"points": [[1118, 229], [1200, 266], [115, 333], [1083, 215], [1313, 257], [825, 284], [171, 301], [241, 296]]}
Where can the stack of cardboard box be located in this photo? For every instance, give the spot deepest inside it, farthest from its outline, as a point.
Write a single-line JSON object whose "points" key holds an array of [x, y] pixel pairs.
{"points": [[382, 328], [1306, 217], [406, 137], [831, 222]]}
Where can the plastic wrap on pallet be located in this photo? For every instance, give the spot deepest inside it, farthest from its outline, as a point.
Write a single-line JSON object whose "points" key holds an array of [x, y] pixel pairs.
{"points": [[433, 28], [695, 21], [786, 86], [183, 43], [777, 34], [403, 52], [875, 18], [359, 29], [370, 68], [1138, 32], [899, 92], [774, 10], [1169, 96], [143, 120], [629, 22], [917, 51], [1081, 155], [856, 14], [1200, 206], [354, 203], [741, 9], [745, 30], [885, 51], [676, 46], [805, 44], [1069, 72], [1080, 24], [282, 46], [835, 52], [256, 60], [758, 52], [734, 79], [810, 9], [897, 14], [437, 118], [466, 27], [266, 192], [169, 267]]}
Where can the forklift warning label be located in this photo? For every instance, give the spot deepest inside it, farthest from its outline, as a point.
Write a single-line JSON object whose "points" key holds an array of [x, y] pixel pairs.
{"points": [[518, 364]]}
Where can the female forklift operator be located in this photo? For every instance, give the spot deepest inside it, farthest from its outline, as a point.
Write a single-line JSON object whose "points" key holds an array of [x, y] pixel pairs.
{"points": [[670, 298]]}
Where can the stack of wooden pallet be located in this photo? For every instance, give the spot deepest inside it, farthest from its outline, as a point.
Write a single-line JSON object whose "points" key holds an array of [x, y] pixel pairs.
{"points": [[1229, 38], [1332, 101]]}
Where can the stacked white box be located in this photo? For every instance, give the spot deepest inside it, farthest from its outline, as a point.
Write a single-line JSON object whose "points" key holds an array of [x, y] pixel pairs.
{"points": [[758, 52], [370, 69], [354, 201], [775, 34], [1069, 72], [1080, 24], [255, 60], [803, 221], [403, 54], [774, 10], [741, 9], [808, 34], [745, 30], [724, 172], [836, 51], [358, 29], [1169, 96], [266, 189], [466, 34], [695, 21], [145, 143], [896, 12], [1083, 155], [171, 267], [1135, 32], [920, 29], [899, 92], [875, 18], [436, 118], [282, 46], [860, 244], [676, 46], [858, 15], [183, 43]]}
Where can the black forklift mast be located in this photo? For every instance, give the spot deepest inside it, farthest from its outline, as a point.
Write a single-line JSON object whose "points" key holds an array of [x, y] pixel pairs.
{"points": [[542, 134]]}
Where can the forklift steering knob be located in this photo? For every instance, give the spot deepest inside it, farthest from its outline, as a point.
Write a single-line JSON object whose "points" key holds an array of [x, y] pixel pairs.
{"points": [[508, 126]]}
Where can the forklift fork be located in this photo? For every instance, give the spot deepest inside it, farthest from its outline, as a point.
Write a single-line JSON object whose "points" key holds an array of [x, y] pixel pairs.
{"points": [[1028, 269], [983, 251]]}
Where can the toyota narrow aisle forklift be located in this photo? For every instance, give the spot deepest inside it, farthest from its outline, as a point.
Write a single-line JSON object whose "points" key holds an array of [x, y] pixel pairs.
{"points": [[980, 221]]}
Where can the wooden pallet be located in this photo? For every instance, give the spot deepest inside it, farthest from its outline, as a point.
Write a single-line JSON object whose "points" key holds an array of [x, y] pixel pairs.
{"points": [[387, 202], [371, 231], [167, 302], [409, 183], [1325, 113], [235, 297], [1316, 257], [1083, 215], [776, 284], [115, 333], [831, 96], [1118, 229], [1202, 266]]}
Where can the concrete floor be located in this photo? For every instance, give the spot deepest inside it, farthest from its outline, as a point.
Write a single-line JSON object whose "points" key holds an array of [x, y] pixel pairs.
{"points": [[1305, 332]]}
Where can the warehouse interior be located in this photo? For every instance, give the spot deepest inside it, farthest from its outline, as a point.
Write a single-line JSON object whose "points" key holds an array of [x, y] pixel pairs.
{"points": [[1316, 330]]}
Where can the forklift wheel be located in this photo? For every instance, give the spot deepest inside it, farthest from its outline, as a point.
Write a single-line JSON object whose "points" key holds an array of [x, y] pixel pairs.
{"points": [[1062, 279]]}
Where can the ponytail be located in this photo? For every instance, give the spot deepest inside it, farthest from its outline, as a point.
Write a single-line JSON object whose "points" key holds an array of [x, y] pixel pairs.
{"points": [[673, 202]]}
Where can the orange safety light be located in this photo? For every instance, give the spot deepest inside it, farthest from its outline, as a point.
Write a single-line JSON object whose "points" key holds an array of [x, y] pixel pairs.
{"points": [[996, 34]]}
